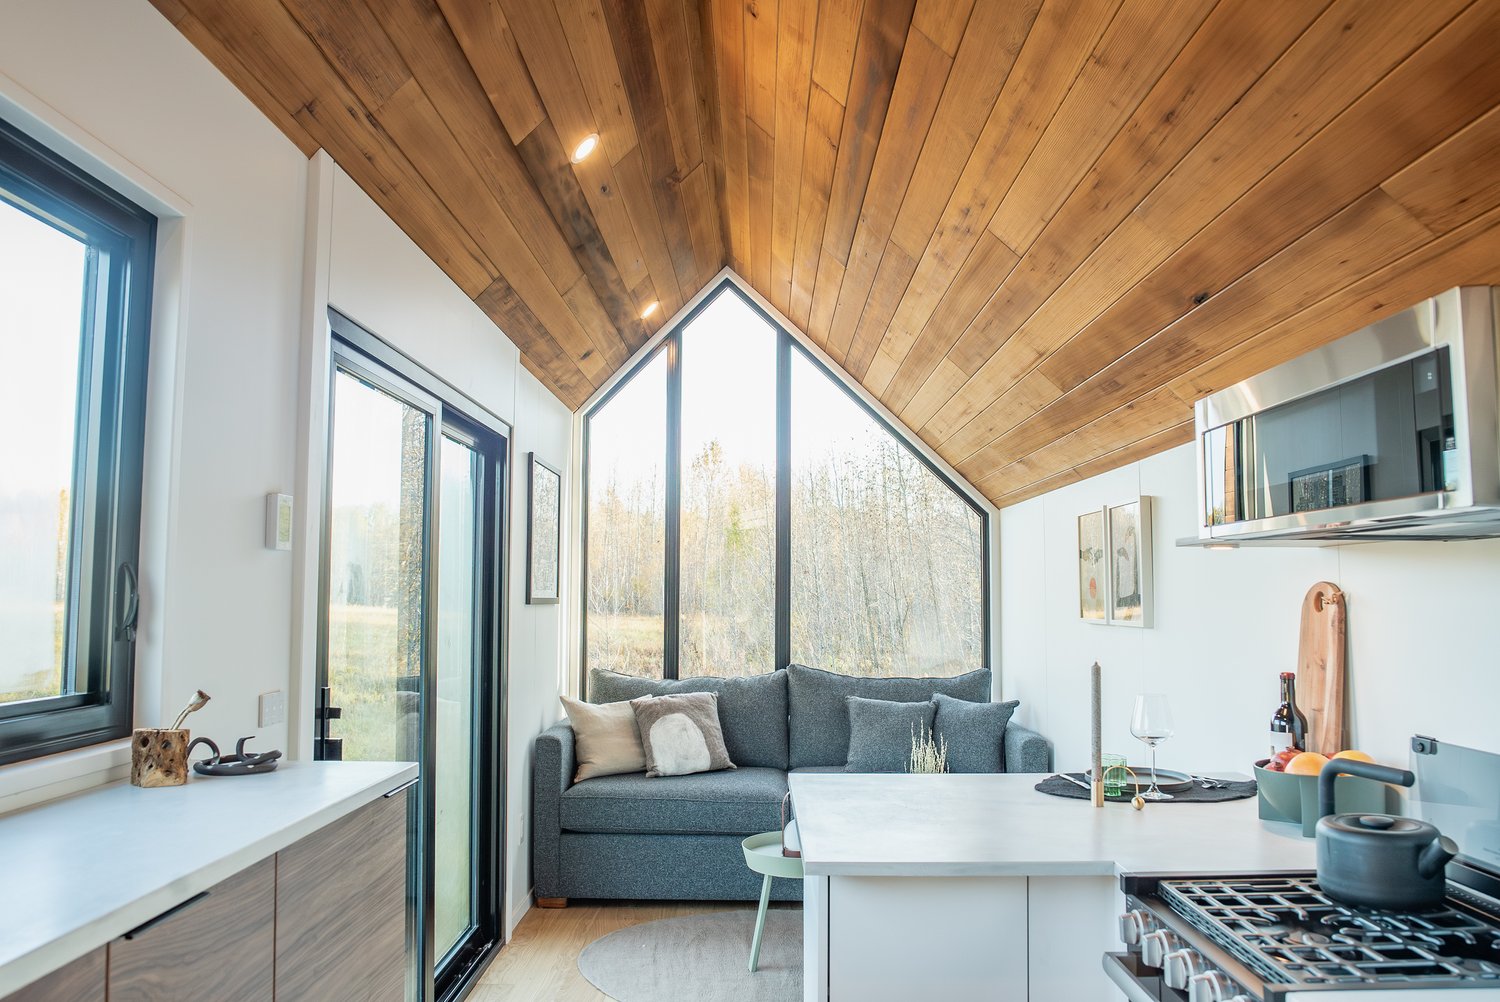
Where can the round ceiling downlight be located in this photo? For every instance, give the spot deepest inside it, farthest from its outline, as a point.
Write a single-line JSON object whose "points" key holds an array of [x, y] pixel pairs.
{"points": [[583, 149]]}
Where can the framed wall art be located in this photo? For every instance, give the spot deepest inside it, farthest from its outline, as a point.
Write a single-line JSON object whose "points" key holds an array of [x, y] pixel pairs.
{"points": [[543, 534], [1093, 579], [1128, 530]]}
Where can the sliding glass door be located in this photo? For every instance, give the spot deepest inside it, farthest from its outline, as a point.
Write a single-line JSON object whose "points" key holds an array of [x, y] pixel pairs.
{"points": [[466, 776], [410, 666]]}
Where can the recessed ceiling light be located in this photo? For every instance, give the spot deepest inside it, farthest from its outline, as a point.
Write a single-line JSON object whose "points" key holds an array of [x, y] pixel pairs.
{"points": [[582, 150], [649, 310]]}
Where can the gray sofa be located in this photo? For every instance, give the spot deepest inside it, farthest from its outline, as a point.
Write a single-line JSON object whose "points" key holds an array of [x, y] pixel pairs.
{"points": [[678, 837]]}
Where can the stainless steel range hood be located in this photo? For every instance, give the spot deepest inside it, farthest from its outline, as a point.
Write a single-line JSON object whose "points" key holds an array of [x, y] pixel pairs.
{"points": [[1392, 432]]}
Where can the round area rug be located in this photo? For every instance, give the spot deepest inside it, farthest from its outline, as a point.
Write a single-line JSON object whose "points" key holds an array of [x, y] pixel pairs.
{"points": [[701, 958]]}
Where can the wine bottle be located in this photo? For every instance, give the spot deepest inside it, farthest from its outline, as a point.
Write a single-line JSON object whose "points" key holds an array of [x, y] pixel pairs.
{"points": [[1288, 724]]}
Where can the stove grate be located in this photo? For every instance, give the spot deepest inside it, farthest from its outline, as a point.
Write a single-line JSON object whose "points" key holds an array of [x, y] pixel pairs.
{"points": [[1288, 931]]}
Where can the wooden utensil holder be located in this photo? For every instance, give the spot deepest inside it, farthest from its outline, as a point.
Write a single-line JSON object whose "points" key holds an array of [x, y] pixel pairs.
{"points": [[159, 756]]}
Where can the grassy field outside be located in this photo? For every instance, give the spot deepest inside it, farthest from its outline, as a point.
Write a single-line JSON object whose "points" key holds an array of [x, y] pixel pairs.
{"points": [[379, 723], [45, 681]]}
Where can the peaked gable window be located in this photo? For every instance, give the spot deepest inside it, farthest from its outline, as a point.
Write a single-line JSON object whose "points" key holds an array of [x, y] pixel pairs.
{"points": [[745, 510]]}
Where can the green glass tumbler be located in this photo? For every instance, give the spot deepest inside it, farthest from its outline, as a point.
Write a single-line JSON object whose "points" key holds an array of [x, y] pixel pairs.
{"points": [[1115, 775]]}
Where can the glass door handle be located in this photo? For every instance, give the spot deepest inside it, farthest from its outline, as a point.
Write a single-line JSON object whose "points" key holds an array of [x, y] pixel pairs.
{"points": [[325, 747]]}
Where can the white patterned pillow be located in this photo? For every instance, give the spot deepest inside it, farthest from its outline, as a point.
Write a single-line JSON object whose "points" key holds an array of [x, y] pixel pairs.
{"points": [[681, 733]]}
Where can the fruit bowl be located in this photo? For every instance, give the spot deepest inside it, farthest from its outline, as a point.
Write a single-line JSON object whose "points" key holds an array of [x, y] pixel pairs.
{"points": [[1292, 798]]}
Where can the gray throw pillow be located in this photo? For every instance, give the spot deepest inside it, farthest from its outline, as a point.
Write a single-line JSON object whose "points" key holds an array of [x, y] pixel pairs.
{"points": [[752, 708], [820, 719], [681, 733], [975, 732], [880, 733]]}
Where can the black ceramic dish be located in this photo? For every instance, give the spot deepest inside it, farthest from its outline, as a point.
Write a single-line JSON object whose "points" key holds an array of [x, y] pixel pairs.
{"points": [[241, 763]]}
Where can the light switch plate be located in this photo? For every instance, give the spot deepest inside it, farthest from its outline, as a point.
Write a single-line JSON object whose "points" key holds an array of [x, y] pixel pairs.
{"points": [[272, 708], [278, 521]]}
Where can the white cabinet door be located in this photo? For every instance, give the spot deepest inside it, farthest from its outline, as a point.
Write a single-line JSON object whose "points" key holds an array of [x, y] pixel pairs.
{"points": [[1073, 924], [904, 938]]}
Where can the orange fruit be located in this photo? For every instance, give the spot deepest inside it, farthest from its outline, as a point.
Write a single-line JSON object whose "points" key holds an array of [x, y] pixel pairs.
{"points": [[1350, 753], [1307, 764]]}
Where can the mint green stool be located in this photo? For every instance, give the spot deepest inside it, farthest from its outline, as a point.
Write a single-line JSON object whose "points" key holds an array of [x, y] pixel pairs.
{"points": [[763, 855]]}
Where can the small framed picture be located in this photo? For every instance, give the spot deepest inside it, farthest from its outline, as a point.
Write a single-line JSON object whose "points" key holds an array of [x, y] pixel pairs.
{"points": [[1093, 581], [1129, 543], [543, 534]]}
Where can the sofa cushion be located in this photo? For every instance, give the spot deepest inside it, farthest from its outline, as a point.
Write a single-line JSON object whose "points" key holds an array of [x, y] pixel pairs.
{"points": [[741, 802], [681, 733], [820, 717], [752, 709], [881, 732], [973, 732]]}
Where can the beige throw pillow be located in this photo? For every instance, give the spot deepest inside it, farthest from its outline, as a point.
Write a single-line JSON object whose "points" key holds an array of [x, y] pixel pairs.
{"points": [[607, 740], [681, 733]]}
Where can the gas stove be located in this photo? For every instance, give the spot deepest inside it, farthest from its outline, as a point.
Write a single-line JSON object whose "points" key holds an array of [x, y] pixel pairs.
{"points": [[1277, 937], [1287, 930]]}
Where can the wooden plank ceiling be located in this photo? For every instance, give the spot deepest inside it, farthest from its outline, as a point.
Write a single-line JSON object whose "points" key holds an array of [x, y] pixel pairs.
{"points": [[1036, 229]]}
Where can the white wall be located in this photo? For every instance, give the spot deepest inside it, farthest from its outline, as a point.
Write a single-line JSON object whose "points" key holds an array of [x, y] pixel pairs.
{"points": [[113, 86], [383, 281], [1422, 631], [255, 243]]}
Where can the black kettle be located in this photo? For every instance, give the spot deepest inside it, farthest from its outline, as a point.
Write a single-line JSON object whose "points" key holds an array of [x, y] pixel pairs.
{"points": [[1378, 860]]}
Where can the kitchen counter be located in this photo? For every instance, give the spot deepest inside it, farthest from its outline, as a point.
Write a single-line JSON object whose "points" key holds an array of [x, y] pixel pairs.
{"points": [[979, 887], [998, 825], [81, 871]]}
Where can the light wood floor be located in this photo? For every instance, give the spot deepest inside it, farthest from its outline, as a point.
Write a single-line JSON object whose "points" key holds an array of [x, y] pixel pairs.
{"points": [[540, 963]]}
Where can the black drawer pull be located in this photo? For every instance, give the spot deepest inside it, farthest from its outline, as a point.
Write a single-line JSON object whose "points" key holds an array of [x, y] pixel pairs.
{"points": [[400, 789], [153, 923]]}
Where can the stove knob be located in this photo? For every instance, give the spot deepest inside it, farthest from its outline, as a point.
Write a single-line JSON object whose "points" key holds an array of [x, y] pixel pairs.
{"points": [[1211, 986], [1136, 923], [1156, 945], [1179, 966]]}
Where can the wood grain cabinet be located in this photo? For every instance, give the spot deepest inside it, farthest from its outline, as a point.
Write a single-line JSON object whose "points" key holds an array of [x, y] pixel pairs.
{"points": [[80, 981], [341, 910], [324, 920], [220, 945]]}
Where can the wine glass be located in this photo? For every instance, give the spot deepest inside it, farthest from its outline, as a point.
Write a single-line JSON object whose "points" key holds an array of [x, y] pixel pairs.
{"points": [[1152, 723]]}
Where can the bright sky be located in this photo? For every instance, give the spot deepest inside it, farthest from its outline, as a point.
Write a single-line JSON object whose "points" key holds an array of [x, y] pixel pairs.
{"points": [[366, 445], [728, 394], [41, 289]]}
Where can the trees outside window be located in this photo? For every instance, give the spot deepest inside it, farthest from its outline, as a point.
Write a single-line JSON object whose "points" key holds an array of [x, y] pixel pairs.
{"points": [[627, 511], [744, 509]]}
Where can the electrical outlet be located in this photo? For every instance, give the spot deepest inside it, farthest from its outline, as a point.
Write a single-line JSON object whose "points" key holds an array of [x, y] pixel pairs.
{"points": [[272, 708]]}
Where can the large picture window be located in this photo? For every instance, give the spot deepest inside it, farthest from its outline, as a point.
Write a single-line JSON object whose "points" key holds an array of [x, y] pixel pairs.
{"points": [[75, 283], [745, 510]]}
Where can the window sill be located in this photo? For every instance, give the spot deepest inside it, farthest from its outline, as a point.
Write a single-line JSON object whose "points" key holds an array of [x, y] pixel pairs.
{"points": [[26, 784]]}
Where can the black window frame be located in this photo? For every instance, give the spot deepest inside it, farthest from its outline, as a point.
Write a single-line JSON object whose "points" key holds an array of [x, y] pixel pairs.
{"points": [[103, 594], [786, 344]]}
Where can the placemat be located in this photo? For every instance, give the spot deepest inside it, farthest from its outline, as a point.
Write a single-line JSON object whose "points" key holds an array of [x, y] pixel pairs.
{"points": [[1056, 786]]}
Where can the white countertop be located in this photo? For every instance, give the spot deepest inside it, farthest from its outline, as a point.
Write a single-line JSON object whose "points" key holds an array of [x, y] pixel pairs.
{"points": [[998, 825], [78, 872]]}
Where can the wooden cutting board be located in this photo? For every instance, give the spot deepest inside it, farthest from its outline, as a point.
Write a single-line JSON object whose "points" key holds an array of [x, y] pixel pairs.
{"points": [[1320, 668]]}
